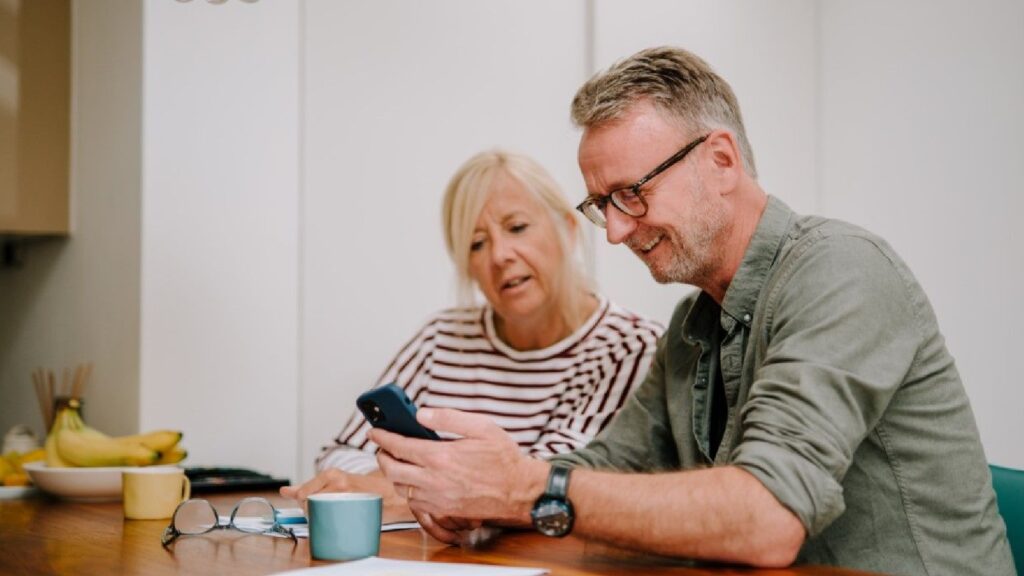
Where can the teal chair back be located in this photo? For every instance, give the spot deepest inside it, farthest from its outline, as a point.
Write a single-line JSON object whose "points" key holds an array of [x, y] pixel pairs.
{"points": [[1009, 485]]}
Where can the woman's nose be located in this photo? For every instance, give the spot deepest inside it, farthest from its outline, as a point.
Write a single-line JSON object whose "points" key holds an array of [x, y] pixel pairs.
{"points": [[502, 251]]}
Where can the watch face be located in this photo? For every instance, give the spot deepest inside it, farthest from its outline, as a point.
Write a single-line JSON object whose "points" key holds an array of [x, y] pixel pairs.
{"points": [[552, 517]]}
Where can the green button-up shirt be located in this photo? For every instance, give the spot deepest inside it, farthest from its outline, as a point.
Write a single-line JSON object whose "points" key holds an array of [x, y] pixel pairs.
{"points": [[842, 400]]}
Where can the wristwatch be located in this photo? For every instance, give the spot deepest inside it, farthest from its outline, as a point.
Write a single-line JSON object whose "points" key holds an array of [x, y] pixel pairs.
{"points": [[552, 513]]}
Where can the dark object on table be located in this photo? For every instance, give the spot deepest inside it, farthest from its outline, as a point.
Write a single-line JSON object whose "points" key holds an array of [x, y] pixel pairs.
{"points": [[217, 479]]}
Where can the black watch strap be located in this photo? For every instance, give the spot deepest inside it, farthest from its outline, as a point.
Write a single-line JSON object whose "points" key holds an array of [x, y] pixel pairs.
{"points": [[558, 482], [552, 513]]}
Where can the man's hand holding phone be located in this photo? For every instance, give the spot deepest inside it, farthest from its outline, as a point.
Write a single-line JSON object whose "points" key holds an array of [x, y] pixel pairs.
{"points": [[452, 485]]}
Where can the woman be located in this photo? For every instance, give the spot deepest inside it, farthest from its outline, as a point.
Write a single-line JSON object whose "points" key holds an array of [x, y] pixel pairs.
{"points": [[548, 359]]}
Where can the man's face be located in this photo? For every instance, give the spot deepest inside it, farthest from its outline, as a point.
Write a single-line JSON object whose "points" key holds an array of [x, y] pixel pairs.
{"points": [[678, 238]]}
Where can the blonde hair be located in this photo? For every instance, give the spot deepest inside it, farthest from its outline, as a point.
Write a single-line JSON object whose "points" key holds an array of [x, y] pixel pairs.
{"points": [[464, 199], [678, 83]]}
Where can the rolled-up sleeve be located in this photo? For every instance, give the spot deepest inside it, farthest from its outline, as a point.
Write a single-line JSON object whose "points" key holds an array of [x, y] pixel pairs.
{"points": [[840, 332]]}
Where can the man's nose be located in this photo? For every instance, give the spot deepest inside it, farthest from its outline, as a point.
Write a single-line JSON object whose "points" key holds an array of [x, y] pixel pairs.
{"points": [[618, 226]]}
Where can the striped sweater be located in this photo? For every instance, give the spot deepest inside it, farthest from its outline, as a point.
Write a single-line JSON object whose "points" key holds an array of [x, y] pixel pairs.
{"points": [[553, 400]]}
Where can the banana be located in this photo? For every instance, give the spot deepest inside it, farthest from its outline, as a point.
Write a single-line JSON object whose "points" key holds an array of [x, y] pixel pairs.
{"points": [[32, 456], [73, 443], [172, 456], [160, 440], [16, 479], [53, 459], [84, 449], [78, 424], [65, 420]]}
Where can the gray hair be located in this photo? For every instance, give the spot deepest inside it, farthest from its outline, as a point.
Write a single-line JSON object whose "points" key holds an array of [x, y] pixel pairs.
{"points": [[677, 82]]}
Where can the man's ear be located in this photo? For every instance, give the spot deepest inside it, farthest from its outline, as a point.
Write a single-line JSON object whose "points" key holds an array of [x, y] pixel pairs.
{"points": [[726, 160]]}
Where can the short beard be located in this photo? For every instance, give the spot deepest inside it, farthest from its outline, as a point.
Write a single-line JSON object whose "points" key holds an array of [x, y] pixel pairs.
{"points": [[696, 246]]}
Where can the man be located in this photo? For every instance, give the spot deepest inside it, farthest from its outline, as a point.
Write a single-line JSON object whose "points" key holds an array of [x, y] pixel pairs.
{"points": [[802, 407]]}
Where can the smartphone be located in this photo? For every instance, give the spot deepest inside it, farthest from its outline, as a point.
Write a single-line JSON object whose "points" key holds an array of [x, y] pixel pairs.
{"points": [[389, 408]]}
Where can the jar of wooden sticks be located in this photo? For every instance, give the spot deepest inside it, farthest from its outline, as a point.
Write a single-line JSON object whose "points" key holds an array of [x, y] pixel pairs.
{"points": [[52, 398]]}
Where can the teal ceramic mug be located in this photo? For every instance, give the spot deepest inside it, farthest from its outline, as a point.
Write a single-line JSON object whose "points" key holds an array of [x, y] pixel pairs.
{"points": [[344, 526]]}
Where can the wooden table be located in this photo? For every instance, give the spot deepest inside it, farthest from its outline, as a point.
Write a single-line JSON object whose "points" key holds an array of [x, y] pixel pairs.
{"points": [[39, 535]]}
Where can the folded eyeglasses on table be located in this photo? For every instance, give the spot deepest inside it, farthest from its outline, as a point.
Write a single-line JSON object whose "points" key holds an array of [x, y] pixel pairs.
{"points": [[196, 517]]}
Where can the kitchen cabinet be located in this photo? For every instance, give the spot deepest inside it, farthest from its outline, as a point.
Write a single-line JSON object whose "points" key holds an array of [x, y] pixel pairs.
{"points": [[35, 110]]}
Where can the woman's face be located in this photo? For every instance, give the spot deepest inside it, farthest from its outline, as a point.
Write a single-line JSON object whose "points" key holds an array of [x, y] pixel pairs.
{"points": [[515, 257]]}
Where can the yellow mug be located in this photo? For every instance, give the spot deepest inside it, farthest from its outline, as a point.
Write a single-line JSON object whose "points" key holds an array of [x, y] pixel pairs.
{"points": [[154, 493]]}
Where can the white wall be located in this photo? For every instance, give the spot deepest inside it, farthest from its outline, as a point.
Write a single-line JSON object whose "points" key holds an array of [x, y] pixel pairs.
{"points": [[922, 121], [397, 95], [220, 260]]}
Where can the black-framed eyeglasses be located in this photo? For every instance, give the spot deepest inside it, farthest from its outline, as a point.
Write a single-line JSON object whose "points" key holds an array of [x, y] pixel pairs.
{"points": [[251, 515], [630, 199]]}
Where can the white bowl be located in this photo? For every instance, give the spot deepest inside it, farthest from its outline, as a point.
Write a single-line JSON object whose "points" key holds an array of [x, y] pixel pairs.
{"points": [[100, 484]]}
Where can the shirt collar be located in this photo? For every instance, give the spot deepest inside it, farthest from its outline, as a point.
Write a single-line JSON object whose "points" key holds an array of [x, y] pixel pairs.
{"points": [[746, 285], [743, 291]]}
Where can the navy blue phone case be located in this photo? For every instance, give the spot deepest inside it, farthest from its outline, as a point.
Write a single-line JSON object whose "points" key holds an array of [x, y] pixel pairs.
{"points": [[388, 407]]}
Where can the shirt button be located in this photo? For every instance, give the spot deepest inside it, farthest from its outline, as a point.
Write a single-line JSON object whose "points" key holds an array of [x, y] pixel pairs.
{"points": [[746, 317]]}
